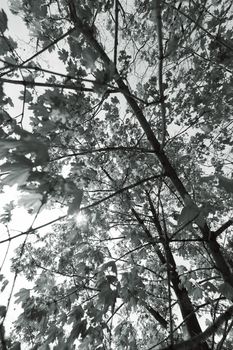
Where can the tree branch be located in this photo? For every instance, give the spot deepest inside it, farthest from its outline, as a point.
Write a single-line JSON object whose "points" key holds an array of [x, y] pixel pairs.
{"points": [[186, 307], [212, 36], [40, 51], [150, 237], [157, 316], [225, 334], [192, 343], [49, 85], [157, 5], [116, 33], [165, 162], [83, 152], [222, 228], [32, 230], [121, 190]]}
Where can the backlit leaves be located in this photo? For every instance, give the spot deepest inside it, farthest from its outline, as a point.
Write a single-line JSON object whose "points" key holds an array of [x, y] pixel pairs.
{"points": [[83, 138], [28, 144], [17, 173], [77, 194], [3, 21], [4, 282], [2, 311], [7, 44], [30, 201], [22, 295]]}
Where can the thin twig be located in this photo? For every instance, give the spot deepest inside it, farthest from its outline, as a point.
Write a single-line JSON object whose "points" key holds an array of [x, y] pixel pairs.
{"points": [[117, 309], [212, 36], [48, 85], [40, 51], [24, 101], [121, 190], [116, 33], [222, 228], [192, 343], [104, 149], [7, 249], [32, 230]]}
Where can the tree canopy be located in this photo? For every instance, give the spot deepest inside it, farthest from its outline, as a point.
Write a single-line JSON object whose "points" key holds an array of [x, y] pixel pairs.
{"points": [[125, 126]]}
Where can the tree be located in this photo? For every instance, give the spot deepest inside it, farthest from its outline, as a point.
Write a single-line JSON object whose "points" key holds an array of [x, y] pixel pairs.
{"points": [[134, 133]]}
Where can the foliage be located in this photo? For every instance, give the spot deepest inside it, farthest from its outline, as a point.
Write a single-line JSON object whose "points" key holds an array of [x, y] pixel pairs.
{"points": [[126, 127]]}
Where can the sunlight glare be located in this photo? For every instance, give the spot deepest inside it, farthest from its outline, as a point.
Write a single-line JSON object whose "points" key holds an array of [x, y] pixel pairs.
{"points": [[80, 219]]}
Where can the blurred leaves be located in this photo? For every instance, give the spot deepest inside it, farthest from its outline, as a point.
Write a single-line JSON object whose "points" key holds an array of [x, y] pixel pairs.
{"points": [[22, 295], [3, 21], [225, 183]]}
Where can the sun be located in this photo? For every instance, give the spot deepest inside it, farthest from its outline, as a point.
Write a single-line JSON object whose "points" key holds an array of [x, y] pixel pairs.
{"points": [[81, 219]]}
